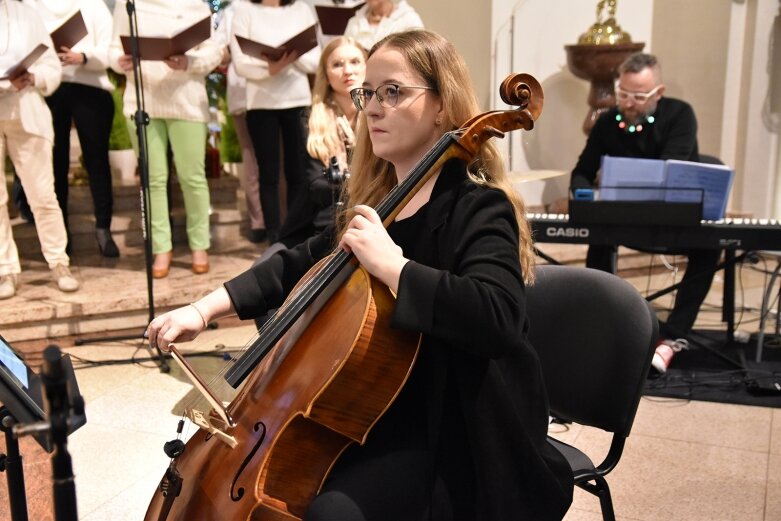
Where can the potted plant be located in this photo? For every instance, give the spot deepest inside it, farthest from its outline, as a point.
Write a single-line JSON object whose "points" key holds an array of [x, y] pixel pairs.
{"points": [[122, 157]]}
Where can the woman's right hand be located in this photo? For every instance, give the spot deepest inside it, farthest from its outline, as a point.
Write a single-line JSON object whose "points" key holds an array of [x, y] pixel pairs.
{"points": [[180, 325], [275, 67], [126, 62]]}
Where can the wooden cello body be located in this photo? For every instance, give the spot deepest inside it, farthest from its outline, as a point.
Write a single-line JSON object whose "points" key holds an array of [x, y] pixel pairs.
{"points": [[330, 367], [308, 400]]}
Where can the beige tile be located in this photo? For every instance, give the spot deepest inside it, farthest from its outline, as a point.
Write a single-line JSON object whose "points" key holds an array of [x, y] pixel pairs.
{"points": [[676, 480], [773, 505], [725, 425], [129, 505], [775, 434], [143, 405], [576, 514], [107, 460], [99, 380]]}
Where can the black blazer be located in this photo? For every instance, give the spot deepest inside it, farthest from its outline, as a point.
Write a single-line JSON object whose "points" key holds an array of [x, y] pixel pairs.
{"points": [[463, 290]]}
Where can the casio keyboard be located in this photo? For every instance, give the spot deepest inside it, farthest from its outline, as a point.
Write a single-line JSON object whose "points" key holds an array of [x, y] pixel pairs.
{"points": [[727, 234]]}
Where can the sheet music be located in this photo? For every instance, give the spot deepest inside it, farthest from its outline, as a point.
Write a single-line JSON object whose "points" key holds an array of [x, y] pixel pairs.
{"points": [[712, 183], [23, 65], [633, 179], [160, 48], [621, 174]]}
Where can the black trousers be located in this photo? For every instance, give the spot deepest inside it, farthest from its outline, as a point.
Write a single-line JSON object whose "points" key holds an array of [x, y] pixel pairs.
{"points": [[266, 128], [695, 285], [92, 110], [388, 487]]}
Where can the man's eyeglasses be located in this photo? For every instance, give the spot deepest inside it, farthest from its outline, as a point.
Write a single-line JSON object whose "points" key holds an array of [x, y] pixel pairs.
{"points": [[637, 97], [387, 95]]}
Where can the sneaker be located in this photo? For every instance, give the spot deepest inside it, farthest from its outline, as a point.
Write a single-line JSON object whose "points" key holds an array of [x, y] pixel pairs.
{"points": [[65, 281], [665, 350], [8, 285]]}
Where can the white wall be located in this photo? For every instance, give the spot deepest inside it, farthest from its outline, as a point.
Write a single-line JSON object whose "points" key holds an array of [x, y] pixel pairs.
{"points": [[541, 30], [467, 24], [717, 53], [756, 134]]}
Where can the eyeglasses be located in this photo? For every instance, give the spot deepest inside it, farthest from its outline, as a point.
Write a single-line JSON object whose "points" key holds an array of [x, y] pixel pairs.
{"points": [[387, 95], [637, 97]]}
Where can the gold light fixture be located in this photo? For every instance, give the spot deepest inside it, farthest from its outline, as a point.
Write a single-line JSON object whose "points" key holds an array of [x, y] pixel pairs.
{"points": [[605, 30], [596, 58]]}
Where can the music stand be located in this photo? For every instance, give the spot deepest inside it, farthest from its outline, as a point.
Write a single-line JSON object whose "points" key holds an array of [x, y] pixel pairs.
{"points": [[141, 119], [23, 413]]}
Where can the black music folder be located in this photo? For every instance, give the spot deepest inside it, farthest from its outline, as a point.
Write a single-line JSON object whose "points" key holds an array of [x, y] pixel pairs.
{"points": [[303, 42], [160, 47], [71, 32], [21, 67], [333, 18]]}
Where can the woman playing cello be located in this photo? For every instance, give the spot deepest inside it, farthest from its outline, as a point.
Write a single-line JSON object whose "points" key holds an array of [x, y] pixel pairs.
{"points": [[465, 439]]}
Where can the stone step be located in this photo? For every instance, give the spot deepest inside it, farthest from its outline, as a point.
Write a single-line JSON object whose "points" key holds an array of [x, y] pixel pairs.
{"points": [[114, 294], [222, 190], [227, 221]]}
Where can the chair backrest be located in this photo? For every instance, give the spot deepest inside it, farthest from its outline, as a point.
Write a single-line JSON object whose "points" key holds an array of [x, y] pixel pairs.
{"points": [[595, 336], [711, 160]]}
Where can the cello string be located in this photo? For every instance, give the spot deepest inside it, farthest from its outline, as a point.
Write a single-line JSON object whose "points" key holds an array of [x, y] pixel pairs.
{"points": [[285, 316], [293, 307]]}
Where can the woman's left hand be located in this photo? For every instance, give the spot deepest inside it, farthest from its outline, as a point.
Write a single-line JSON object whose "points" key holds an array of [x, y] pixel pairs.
{"points": [[177, 62], [68, 57], [368, 240], [24, 80]]}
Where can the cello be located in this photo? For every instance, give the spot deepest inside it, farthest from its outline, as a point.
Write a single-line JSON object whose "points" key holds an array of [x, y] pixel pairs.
{"points": [[322, 372]]}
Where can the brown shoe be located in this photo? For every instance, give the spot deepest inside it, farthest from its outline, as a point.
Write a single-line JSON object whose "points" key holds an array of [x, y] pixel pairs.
{"points": [[161, 265], [200, 262]]}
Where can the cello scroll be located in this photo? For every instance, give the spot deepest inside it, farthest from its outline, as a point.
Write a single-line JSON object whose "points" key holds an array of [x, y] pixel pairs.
{"points": [[521, 90]]}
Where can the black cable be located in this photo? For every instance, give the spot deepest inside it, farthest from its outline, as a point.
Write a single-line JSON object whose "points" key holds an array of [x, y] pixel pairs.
{"points": [[218, 352]]}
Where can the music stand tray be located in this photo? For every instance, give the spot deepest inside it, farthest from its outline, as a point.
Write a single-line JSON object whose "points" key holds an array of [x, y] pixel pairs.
{"points": [[21, 392], [646, 213]]}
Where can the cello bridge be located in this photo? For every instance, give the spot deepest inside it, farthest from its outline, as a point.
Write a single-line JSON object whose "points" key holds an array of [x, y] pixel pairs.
{"points": [[214, 425]]}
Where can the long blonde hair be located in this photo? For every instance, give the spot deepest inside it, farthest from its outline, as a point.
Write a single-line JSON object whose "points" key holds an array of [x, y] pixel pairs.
{"points": [[442, 68], [325, 137]]}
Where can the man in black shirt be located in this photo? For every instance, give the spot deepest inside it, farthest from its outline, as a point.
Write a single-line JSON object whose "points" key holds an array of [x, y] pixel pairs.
{"points": [[644, 124]]}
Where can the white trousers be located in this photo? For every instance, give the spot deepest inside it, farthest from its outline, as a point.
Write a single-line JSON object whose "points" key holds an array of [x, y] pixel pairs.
{"points": [[32, 158]]}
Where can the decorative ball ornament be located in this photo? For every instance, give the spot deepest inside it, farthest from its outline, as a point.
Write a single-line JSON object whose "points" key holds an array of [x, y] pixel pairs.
{"points": [[633, 128]]}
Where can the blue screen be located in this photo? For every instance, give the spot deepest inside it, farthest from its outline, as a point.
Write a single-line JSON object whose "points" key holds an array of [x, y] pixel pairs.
{"points": [[14, 364]]}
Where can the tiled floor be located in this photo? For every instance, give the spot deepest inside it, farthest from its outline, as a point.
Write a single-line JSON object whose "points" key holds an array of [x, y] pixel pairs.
{"points": [[692, 461]]}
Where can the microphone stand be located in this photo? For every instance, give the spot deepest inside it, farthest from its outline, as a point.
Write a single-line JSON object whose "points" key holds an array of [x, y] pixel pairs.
{"points": [[141, 119], [58, 405], [11, 464]]}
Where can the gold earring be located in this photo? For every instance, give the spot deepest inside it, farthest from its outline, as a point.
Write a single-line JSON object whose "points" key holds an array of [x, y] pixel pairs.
{"points": [[438, 122]]}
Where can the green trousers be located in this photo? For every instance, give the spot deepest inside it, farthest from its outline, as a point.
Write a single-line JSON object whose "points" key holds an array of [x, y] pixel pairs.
{"points": [[188, 144]]}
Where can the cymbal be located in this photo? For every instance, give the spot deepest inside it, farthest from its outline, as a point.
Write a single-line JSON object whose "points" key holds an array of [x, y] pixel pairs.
{"points": [[534, 175]]}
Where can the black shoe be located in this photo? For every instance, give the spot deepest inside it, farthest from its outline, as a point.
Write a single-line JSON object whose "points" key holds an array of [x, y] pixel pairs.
{"points": [[106, 244], [273, 236], [257, 235]]}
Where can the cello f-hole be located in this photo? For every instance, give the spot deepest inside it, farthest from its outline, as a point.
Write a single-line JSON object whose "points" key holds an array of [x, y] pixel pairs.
{"points": [[237, 494]]}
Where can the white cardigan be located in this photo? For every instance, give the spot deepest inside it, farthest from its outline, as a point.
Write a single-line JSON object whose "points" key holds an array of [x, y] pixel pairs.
{"points": [[273, 26], [26, 31], [236, 85], [97, 18], [168, 94], [403, 18]]}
